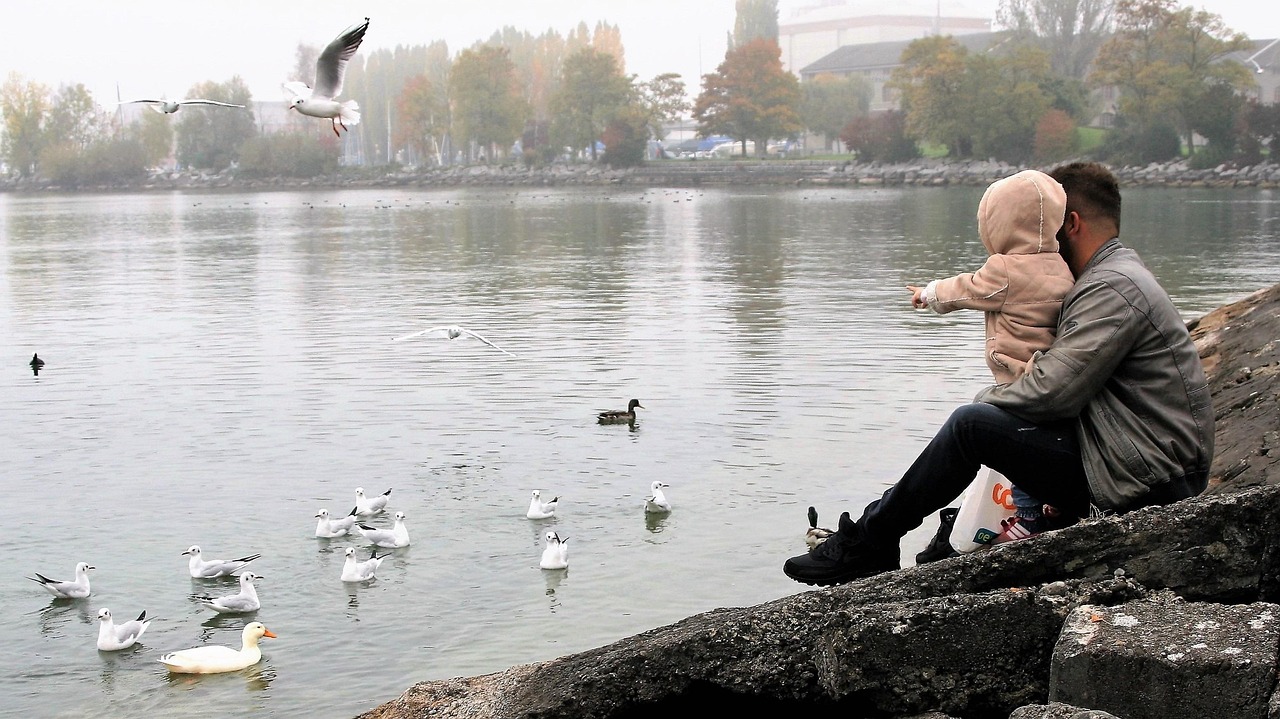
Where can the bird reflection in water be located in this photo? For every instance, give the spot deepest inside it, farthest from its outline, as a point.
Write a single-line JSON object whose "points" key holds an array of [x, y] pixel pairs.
{"points": [[256, 678], [61, 612]]}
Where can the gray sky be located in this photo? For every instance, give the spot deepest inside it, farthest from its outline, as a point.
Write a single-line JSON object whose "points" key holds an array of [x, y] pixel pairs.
{"points": [[154, 47]]}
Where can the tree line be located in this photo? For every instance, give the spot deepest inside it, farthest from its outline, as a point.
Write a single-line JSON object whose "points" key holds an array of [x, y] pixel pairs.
{"points": [[1158, 71]]}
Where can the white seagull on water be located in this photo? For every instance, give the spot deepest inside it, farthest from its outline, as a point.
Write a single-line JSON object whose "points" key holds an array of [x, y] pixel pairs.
{"points": [[245, 601], [168, 107], [319, 101], [357, 571], [328, 528], [114, 637], [555, 552], [62, 589], [366, 507], [657, 502], [539, 509], [452, 332], [209, 568], [394, 538]]}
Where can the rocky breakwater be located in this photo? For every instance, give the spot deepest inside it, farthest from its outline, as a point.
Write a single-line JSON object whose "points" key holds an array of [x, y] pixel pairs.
{"points": [[1169, 612]]}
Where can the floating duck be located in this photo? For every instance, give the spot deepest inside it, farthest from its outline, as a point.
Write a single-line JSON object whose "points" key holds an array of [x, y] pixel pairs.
{"points": [[328, 528], [367, 507], [394, 538], [209, 568], [36, 362], [217, 659], [657, 502], [539, 509], [114, 637], [245, 601], [816, 535], [357, 571], [555, 552], [618, 416], [77, 588]]}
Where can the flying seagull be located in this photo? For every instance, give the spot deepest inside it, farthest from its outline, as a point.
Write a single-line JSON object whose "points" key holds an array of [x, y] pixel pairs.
{"points": [[319, 101], [453, 332], [168, 107]]}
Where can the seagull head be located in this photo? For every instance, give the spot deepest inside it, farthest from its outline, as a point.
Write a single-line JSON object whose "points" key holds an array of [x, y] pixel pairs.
{"points": [[351, 552], [104, 615], [399, 516], [84, 567], [322, 513], [248, 578], [193, 550]]}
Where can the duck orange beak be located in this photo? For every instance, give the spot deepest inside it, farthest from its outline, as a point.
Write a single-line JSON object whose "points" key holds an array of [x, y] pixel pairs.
{"points": [[269, 633]]}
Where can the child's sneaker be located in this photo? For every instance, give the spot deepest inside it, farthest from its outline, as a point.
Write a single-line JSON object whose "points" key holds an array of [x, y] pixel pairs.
{"points": [[1015, 528]]}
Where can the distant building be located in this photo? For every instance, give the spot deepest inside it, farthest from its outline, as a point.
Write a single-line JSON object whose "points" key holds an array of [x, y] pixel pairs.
{"points": [[1263, 59], [876, 61], [815, 31]]}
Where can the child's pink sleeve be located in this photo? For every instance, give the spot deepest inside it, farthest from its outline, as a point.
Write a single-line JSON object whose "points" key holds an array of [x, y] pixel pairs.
{"points": [[984, 289]]}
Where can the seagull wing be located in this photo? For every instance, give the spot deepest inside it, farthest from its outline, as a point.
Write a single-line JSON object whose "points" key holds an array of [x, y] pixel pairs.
{"points": [[419, 333], [208, 102], [297, 89], [332, 63], [131, 102], [482, 339]]}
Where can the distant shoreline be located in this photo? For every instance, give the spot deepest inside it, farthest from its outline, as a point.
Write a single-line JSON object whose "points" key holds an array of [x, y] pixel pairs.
{"points": [[679, 173]]}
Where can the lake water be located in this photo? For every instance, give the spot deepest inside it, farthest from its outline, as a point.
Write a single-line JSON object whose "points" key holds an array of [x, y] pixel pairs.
{"points": [[222, 365]]}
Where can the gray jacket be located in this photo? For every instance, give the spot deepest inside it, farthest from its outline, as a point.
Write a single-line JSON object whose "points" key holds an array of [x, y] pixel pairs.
{"points": [[1123, 365]]}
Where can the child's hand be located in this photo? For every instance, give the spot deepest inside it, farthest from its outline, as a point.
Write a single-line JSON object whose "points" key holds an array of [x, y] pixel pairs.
{"points": [[917, 297]]}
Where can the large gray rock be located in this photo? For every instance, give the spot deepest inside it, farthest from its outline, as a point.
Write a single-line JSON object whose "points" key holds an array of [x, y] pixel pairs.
{"points": [[1161, 658]]}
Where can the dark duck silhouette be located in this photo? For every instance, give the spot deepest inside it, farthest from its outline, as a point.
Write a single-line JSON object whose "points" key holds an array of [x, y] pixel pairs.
{"points": [[36, 363], [618, 416]]}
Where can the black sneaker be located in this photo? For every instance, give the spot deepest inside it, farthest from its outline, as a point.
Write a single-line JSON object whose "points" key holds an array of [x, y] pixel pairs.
{"points": [[940, 546], [844, 557]]}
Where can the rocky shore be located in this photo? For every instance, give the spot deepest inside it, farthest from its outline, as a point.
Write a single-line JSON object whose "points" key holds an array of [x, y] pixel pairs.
{"points": [[1165, 613], [681, 173]]}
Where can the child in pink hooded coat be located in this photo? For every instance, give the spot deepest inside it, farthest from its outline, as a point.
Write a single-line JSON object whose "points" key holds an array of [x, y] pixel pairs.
{"points": [[1020, 289]]}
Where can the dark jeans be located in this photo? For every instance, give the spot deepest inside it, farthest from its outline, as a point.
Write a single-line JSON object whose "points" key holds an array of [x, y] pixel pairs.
{"points": [[1042, 459]]}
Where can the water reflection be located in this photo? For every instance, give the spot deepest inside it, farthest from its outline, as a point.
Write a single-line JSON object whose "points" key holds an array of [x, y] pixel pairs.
{"points": [[553, 579], [257, 678], [55, 618]]}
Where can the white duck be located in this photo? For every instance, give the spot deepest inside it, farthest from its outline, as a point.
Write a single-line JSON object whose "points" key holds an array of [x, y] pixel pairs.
{"points": [[330, 68], [369, 506], [657, 502], [62, 589], [114, 637], [394, 538], [328, 527], [216, 659], [357, 571], [555, 552], [209, 568], [539, 509], [244, 601]]}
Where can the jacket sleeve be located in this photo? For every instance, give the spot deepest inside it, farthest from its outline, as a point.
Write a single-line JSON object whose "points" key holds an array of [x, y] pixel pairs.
{"points": [[1097, 331], [985, 289]]}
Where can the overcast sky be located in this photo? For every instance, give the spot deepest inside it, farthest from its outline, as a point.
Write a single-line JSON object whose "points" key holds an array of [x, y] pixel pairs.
{"points": [[154, 47]]}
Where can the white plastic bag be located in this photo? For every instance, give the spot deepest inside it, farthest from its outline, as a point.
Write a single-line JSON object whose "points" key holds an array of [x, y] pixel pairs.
{"points": [[988, 500]]}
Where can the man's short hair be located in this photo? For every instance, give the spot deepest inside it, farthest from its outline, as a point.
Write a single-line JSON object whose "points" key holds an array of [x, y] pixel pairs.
{"points": [[1092, 191]]}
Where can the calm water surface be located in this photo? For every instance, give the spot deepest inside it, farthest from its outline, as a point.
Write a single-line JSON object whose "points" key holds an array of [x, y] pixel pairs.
{"points": [[221, 366]]}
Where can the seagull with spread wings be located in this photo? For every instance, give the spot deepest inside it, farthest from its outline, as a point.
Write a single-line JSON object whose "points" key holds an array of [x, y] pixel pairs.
{"points": [[452, 332], [319, 101], [168, 107]]}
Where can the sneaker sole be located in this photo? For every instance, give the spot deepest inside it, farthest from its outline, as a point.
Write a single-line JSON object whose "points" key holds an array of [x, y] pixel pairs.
{"points": [[842, 579]]}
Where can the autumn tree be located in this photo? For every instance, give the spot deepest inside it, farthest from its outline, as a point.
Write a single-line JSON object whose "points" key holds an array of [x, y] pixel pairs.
{"points": [[830, 103], [934, 94], [592, 93], [24, 105], [422, 117], [1070, 31], [1166, 60], [749, 97], [74, 118], [154, 132], [880, 137], [210, 137], [488, 107], [663, 100], [754, 19]]}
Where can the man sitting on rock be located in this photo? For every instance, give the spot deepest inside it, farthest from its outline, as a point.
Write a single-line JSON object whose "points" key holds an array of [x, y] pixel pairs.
{"points": [[1114, 416]]}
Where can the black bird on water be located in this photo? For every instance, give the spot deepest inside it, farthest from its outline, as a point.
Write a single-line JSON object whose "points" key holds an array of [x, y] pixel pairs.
{"points": [[36, 363]]}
